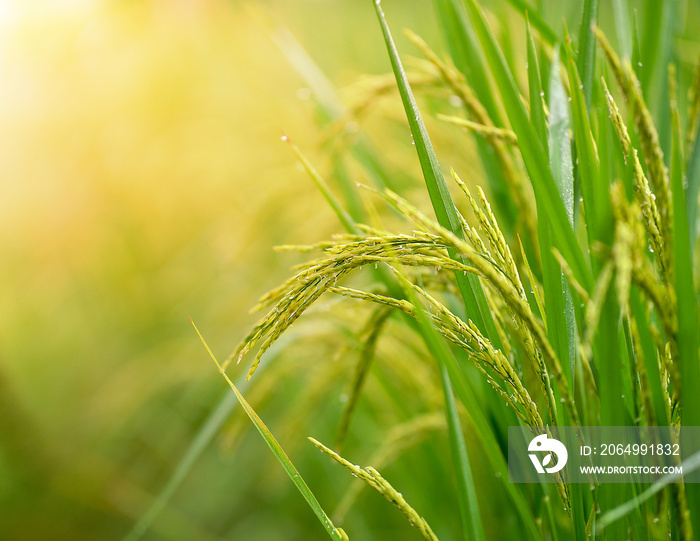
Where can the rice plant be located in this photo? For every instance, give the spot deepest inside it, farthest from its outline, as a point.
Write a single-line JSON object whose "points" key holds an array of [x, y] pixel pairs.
{"points": [[558, 288]]}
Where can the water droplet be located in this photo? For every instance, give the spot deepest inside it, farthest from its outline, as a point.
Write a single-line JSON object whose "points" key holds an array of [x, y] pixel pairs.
{"points": [[284, 138], [542, 94], [455, 101], [303, 93]]}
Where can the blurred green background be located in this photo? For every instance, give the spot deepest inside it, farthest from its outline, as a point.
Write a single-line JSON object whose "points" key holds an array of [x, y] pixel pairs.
{"points": [[144, 181]]}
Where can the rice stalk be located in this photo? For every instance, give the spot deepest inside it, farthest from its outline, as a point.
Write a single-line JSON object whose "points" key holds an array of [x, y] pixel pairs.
{"points": [[649, 139], [374, 479]]}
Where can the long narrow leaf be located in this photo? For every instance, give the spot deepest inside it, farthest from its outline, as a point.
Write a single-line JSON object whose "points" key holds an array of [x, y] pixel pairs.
{"points": [[656, 48], [534, 156], [594, 189], [586, 47], [537, 115], [691, 194], [445, 211], [559, 143], [556, 291], [335, 533], [330, 197], [623, 26], [468, 503], [687, 311], [526, 10]]}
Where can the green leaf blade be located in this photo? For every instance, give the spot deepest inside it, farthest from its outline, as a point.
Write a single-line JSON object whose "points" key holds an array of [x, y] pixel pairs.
{"points": [[534, 156], [562, 331], [469, 504], [538, 23], [335, 533], [586, 47], [687, 311], [445, 211], [537, 115]]}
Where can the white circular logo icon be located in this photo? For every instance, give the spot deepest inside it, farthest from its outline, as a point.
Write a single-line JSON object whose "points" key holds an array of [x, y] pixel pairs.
{"points": [[548, 445]]}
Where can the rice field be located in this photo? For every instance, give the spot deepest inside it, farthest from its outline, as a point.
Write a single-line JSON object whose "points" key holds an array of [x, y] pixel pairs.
{"points": [[446, 218]]}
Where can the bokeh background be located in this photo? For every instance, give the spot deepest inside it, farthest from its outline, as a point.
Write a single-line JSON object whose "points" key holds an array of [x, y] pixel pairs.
{"points": [[143, 181]]}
